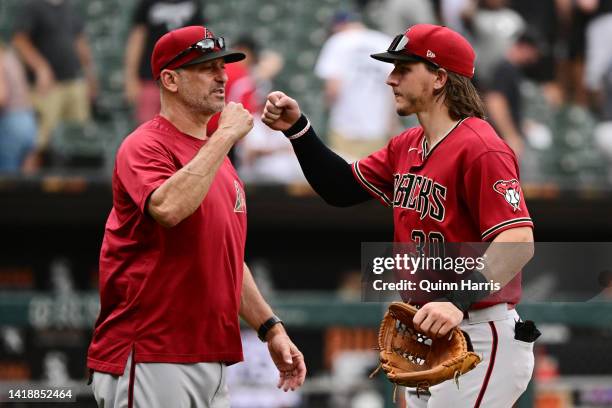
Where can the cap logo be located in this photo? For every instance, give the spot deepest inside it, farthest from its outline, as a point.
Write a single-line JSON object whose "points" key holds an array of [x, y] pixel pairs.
{"points": [[431, 54]]}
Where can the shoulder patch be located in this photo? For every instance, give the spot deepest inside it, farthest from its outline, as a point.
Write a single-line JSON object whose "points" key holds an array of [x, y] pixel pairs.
{"points": [[510, 190]]}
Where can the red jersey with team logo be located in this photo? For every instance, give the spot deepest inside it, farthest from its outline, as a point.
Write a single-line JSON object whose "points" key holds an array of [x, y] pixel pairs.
{"points": [[465, 189], [169, 294]]}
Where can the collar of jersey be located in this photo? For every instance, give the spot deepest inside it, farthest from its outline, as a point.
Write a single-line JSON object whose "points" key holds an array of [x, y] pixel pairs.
{"points": [[424, 152]]}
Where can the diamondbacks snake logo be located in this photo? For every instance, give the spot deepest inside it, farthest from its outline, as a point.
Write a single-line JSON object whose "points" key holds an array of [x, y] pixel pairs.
{"points": [[510, 190], [239, 206]]}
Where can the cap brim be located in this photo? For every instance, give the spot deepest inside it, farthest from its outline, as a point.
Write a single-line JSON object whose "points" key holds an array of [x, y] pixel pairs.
{"points": [[228, 56], [395, 56]]}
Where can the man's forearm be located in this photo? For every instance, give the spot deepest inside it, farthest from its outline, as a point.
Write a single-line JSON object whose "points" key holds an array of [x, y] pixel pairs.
{"points": [[504, 258], [328, 174], [133, 51], [84, 54], [253, 307], [500, 114], [180, 195], [508, 254], [30, 55]]}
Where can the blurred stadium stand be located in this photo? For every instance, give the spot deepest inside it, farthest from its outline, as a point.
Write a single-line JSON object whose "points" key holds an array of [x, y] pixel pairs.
{"points": [[272, 24], [52, 224]]}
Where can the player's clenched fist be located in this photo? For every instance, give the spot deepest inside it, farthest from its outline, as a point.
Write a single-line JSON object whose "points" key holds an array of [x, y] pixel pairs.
{"points": [[235, 120], [280, 111]]}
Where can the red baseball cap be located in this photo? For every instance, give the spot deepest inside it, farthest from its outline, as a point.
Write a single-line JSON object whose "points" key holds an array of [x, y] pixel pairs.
{"points": [[189, 46], [436, 44]]}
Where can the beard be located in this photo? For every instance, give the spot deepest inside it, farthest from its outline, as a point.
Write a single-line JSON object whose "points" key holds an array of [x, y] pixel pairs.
{"points": [[412, 105], [208, 104], [205, 102]]}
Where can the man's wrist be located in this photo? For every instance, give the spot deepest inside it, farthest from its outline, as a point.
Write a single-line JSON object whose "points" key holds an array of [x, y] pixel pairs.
{"points": [[228, 134], [298, 129], [464, 299], [272, 326]]}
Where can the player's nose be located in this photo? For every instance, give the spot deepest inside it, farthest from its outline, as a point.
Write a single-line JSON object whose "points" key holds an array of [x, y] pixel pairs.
{"points": [[392, 79]]}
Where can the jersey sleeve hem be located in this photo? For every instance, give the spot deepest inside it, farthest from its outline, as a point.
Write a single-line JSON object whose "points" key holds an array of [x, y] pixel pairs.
{"points": [[148, 191], [505, 225], [369, 187]]}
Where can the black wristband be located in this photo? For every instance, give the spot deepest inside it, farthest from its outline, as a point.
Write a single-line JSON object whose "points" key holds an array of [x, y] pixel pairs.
{"points": [[297, 127], [266, 326], [463, 299]]}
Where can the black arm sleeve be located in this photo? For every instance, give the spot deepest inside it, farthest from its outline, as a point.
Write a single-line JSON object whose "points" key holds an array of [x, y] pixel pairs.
{"points": [[328, 174]]}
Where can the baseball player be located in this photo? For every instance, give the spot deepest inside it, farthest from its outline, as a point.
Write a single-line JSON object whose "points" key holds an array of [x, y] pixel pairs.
{"points": [[172, 275], [451, 179]]}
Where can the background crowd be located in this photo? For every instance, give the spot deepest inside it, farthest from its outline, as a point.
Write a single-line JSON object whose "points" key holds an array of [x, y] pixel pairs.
{"points": [[75, 77]]}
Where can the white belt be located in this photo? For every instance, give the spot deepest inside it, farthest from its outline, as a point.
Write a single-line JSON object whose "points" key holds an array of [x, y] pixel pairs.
{"points": [[499, 311]]}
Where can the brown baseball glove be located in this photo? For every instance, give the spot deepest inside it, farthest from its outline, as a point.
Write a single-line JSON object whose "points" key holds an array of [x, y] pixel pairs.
{"points": [[411, 359]]}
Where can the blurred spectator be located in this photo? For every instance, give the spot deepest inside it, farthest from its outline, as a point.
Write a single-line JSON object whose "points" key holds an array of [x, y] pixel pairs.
{"points": [[393, 16], [549, 16], [241, 84], [605, 281], [598, 55], [576, 89], [503, 97], [151, 20], [349, 288], [50, 39], [263, 155], [55, 369], [603, 141], [494, 28], [17, 123], [263, 66], [266, 156], [362, 110], [452, 13], [607, 95]]}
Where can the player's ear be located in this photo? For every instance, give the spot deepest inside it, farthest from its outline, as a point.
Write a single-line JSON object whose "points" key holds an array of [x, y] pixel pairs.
{"points": [[440, 80], [168, 79]]}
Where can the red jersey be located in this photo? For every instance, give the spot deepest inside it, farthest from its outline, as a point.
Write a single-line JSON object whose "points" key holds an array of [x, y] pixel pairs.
{"points": [[465, 189], [169, 294]]}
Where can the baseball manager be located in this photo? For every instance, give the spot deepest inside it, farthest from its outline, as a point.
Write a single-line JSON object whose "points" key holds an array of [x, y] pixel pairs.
{"points": [[173, 281]]}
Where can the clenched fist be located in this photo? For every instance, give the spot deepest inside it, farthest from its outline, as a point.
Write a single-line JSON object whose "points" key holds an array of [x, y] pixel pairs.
{"points": [[235, 120], [281, 112], [437, 319]]}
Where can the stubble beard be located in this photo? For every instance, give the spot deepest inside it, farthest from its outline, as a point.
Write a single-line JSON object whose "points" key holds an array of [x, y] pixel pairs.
{"points": [[413, 104], [410, 107], [207, 104]]}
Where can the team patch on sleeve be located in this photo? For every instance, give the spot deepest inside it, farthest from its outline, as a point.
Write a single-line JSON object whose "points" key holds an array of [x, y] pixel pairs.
{"points": [[239, 206], [510, 190]]}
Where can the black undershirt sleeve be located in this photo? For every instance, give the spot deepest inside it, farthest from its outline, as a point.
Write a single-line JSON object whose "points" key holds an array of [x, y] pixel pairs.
{"points": [[328, 174]]}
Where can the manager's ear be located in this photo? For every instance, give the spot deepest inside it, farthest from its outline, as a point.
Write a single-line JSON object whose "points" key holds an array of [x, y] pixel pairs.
{"points": [[168, 79]]}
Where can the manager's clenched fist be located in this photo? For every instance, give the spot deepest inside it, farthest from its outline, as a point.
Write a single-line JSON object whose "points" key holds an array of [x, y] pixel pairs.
{"points": [[236, 120]]}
